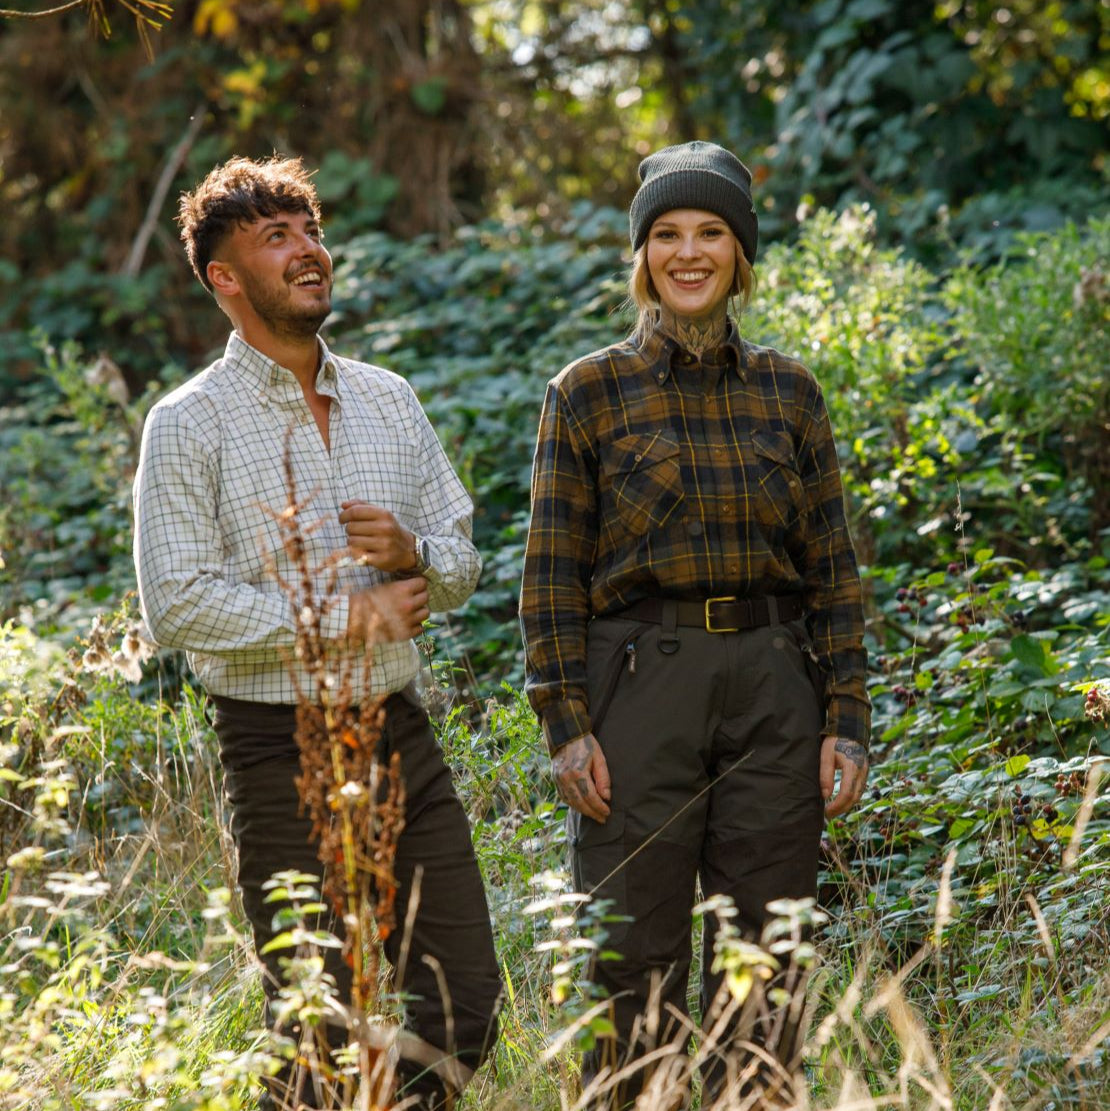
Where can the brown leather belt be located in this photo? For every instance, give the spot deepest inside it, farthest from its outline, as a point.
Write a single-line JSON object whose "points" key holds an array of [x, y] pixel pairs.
{"points": [[720, 615]]}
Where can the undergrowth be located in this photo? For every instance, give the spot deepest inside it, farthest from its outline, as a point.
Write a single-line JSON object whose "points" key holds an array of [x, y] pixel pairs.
{"points": [[963, 963]]}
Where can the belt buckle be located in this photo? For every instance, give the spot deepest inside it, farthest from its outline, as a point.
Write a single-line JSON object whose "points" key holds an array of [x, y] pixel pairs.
{"points": [[709, 626]]}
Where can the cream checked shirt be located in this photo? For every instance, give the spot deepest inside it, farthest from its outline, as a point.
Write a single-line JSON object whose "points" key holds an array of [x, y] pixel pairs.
{"points": [[210, 466]]}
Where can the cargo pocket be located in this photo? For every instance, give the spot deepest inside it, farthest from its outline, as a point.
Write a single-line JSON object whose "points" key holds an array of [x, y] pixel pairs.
{"points": [[597, 864], [645, 480], [780, 485]]}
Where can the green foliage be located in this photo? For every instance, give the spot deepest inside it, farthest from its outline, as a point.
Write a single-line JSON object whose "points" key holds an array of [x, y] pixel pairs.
{"points": [[980, 852], [68, 453], [915, 109], [971, 868], [983, 848], [958, 122], [1034, 328], [973, 402], [969, 406], [98, 138], [863, 318]]}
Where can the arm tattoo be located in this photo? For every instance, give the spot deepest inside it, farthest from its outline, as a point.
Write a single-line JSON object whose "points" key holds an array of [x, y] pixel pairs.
{"points": [[854, 751]]}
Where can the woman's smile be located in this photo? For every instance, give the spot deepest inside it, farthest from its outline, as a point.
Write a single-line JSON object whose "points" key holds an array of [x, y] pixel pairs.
{"points": [[691, 256]]}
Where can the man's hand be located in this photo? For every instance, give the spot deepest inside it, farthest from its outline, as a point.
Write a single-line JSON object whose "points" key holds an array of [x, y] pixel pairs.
{"points": [[582, 777], [376, 537], [393, 611], [850, 759]]}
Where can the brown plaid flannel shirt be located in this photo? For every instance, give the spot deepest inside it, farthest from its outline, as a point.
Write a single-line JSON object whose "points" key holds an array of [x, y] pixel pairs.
{"points": [[659, 475]]}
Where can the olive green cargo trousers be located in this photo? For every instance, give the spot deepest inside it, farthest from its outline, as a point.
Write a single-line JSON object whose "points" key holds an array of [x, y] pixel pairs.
{"points": [[713, 747]]}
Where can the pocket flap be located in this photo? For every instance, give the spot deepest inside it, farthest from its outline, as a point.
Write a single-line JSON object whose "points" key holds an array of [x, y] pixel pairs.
{"points": [[631, 453], [776, 446], [583, 832]]}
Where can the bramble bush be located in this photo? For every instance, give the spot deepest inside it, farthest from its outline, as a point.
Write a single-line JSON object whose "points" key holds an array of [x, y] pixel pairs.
{"points": [[1033, 328]]}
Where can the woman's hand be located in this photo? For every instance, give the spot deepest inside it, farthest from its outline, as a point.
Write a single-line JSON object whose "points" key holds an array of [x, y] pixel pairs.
{"points": [[582, 777], [850, 759]]}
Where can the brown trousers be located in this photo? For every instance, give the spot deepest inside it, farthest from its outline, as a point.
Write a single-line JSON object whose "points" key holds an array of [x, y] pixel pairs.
{"points": [[713, 748], [451, 936]]}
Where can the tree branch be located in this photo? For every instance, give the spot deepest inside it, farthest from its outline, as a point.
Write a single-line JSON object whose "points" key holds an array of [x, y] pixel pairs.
{"points": [[158, 198], [6, 13]]}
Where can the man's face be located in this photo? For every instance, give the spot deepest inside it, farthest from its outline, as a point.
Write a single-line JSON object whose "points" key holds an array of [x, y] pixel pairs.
{"points": [[283, 271]]}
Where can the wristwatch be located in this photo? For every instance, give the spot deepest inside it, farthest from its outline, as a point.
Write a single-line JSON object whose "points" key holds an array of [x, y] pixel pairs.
{"points": [[422, 549]]}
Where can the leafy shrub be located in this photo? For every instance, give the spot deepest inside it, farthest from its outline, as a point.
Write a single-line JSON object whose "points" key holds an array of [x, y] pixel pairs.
{"points": [[862, 318], [1034, 330], [983, 846], [69, 449]]}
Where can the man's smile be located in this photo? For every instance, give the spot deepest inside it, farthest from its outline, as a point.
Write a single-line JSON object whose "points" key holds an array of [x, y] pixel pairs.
{"points": [[308, 277]]}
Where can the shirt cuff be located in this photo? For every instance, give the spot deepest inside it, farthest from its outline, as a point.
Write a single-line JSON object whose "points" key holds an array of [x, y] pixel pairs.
{"points": [[849, 719], [564, 722]]}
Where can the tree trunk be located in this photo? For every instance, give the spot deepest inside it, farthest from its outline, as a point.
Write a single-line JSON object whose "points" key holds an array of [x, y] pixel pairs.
{"points": [[425, 132]]}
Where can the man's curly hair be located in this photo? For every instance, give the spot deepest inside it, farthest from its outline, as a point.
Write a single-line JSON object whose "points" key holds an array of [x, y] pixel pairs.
{"points": [[239, 192]]}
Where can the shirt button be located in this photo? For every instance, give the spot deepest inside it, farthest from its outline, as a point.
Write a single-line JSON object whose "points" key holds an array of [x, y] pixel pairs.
{"points": [[694, 528], [726, 508], [660, 376]]}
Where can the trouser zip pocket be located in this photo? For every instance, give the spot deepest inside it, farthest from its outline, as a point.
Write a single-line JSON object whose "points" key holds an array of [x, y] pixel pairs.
{"points": [[622, 661]]}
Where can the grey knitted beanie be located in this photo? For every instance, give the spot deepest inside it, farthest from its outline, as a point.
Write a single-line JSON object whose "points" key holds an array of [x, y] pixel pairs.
{"points": [[695, 175]]}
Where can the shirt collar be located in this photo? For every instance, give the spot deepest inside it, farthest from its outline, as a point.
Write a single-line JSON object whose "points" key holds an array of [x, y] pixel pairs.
{"points": [[272, 382], [662, 354]]}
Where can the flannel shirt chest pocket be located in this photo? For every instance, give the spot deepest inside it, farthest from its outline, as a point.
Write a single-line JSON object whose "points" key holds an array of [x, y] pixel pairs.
{"points": [[780, 485], [644, 479]]}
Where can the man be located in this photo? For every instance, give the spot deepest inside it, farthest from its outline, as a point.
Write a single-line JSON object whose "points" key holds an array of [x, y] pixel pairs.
{"points": [[210, 474]]}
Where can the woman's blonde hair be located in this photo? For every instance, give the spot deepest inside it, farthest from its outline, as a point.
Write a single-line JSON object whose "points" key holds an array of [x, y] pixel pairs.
{"points": [[643, 296]]}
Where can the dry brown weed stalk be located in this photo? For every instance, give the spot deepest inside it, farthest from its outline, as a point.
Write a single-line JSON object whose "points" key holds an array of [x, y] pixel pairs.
{"points": [[355, 803]]}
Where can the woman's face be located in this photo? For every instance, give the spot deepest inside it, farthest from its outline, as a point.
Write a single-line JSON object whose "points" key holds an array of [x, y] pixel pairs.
{"points": [[691, 257]]}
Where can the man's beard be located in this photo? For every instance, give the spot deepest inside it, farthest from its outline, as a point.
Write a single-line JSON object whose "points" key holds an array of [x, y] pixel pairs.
{"points": [[277, 312]]}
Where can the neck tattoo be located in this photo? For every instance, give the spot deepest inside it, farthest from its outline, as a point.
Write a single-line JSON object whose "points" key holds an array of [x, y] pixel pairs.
{"points": [[696, 334]]}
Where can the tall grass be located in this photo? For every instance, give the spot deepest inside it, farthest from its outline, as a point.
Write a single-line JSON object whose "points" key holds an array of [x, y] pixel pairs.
{"points": [[128, 980]]}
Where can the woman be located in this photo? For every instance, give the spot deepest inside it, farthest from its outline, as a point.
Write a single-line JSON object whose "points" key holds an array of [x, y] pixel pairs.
{"points": [[691, 605]]}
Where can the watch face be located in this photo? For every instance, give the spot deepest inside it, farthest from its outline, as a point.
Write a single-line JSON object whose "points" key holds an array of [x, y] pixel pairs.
{"points": [[423, 552]]}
